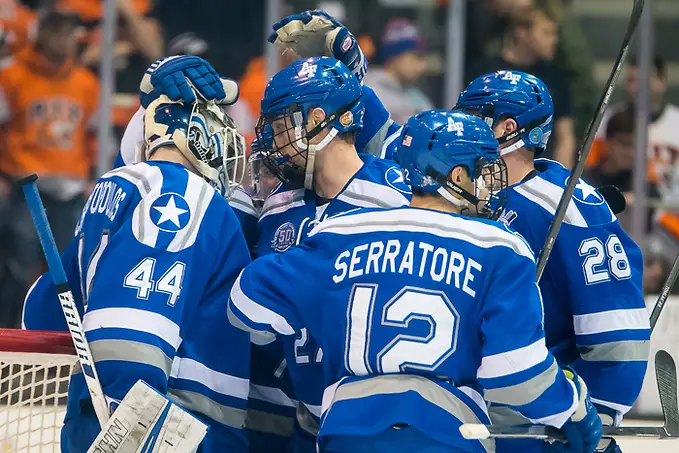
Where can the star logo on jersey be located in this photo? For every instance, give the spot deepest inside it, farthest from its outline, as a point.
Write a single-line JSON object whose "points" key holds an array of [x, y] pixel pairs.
{"points": [[395, 180], [587, 194], [170, 212]]}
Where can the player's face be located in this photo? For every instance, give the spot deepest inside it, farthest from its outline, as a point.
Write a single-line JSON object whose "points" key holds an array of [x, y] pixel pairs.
{"points": [[284, 140], [621, 150]]}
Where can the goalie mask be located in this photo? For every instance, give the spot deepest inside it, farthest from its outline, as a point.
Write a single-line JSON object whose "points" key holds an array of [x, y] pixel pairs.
{"points": [[434, 143], [204, 134], [284, 134]]}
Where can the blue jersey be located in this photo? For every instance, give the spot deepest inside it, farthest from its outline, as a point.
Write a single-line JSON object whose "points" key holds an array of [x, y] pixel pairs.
{"points": [[155, 254], [288, 215], [417, 311], [130, 153], [595, 316]]}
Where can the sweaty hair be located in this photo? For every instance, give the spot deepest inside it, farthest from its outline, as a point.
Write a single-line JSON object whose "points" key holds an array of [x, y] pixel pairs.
{"points": [[349, 137], [620, 123]]}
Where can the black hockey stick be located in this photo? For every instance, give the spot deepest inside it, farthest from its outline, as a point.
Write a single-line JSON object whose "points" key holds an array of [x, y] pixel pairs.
{"points": [[665, 293], [666, 378], [589, 138]]}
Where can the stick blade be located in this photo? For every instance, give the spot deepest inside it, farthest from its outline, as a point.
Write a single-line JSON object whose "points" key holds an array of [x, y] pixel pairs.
{"points": [[474, 431], [666, 376]]}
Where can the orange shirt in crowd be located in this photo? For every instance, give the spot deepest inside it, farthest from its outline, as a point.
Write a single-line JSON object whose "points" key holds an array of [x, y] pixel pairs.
{"points": [[46, 112], [18, 24]]}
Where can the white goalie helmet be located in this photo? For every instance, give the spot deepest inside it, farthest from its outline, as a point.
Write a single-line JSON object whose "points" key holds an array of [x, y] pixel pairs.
{"points": [[204, 134]]}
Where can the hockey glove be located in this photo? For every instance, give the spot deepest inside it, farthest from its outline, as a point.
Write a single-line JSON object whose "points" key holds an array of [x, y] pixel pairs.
{"points": [[315, 33], [584, 429], [181, 77]]}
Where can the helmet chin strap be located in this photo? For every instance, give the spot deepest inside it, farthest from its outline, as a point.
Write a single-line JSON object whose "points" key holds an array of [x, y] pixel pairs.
{"points": [[513, 147], [457, 202]]}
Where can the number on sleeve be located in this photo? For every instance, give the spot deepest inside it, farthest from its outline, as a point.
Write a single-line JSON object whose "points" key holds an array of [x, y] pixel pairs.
{"points": [[87, 271], [301, 343], [403, 351], [596, 254], [139, 278]]}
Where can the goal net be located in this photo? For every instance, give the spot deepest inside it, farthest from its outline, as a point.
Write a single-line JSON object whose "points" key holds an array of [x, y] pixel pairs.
{"points": [[35, 368]]}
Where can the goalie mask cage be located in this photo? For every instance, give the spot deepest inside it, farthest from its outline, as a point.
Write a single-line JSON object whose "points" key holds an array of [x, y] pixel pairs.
{"points": [[35, 368]]}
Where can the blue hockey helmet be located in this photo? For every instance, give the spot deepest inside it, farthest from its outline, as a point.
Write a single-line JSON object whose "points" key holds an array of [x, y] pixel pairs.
{"points": [[435, 142], [317, 82], [512, 94], [203, 133]]}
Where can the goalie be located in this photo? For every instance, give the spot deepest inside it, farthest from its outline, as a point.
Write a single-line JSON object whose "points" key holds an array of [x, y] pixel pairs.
{"points": [[155, 254]]}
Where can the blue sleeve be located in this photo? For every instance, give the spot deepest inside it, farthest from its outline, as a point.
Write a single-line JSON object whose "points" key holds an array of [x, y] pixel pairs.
{"points": [[603, 272], [516, 368], [377, 125], [42, 310]]}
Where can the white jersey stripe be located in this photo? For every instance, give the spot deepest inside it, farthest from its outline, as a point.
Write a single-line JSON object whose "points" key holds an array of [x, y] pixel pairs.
{"points": [[198, 196], [189, 369], [557, 420], [547, 195], [368, 194], [610, 321], [511, 362], [256, 312], [421, 221], [133, 319]]}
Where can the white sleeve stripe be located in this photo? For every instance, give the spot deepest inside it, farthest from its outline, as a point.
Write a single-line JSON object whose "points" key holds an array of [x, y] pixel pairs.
{"points": [[133, 319], [510, 362], [620, 408], [257, 313], [28, 294], [225, 384], [558, 420], [271, 395], [610, 321], [316, 410]]}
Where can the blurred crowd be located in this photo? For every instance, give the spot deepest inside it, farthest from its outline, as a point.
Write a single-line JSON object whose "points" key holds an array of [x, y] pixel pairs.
{"points": [[51, 51]]}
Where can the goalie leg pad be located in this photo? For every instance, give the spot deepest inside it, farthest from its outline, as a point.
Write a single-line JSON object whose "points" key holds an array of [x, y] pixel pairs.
{"points": [[147, 422]]}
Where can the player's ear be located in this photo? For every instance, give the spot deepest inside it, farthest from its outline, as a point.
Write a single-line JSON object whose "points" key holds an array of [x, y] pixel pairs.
{"points": [[510, 125], [316, 115], [458, 176]]}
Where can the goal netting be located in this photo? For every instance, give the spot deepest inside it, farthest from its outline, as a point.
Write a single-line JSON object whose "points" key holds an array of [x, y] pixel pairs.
{"points": [[35, 369]]}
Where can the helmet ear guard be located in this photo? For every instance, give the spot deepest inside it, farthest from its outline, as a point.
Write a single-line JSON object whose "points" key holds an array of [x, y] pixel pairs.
{"points": [[204, 134]]}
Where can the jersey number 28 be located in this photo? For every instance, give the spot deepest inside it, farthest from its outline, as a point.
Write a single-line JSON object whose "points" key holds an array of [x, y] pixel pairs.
{"points": [[403, 351], [603, 260]]}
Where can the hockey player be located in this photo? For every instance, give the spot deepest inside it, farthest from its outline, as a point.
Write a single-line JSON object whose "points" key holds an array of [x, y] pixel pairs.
{"points": [[419, 309], [311, 113], [595, 316], [156, 251]]}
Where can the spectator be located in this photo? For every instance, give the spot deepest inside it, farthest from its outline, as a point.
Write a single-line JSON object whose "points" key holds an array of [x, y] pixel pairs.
{"points": [[139, 42], [394, 83], [530, 46], [616, 168], [17, 25], [47, 103]]}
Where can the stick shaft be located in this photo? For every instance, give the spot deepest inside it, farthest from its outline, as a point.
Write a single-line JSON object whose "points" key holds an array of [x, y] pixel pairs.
{"points": [[665, 293], [66, 300], [560, 213]]}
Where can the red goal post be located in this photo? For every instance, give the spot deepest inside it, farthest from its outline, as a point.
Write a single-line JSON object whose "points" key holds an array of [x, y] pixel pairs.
{"points": [[35, 368]]}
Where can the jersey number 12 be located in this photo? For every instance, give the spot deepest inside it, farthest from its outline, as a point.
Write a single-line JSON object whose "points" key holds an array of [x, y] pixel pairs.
{"points": [[403, 351]]}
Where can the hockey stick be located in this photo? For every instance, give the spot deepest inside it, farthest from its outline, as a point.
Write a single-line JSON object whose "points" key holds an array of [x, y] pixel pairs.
{"points": [[589, 139], [56, 268], [665, 293], [666, 378]]}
